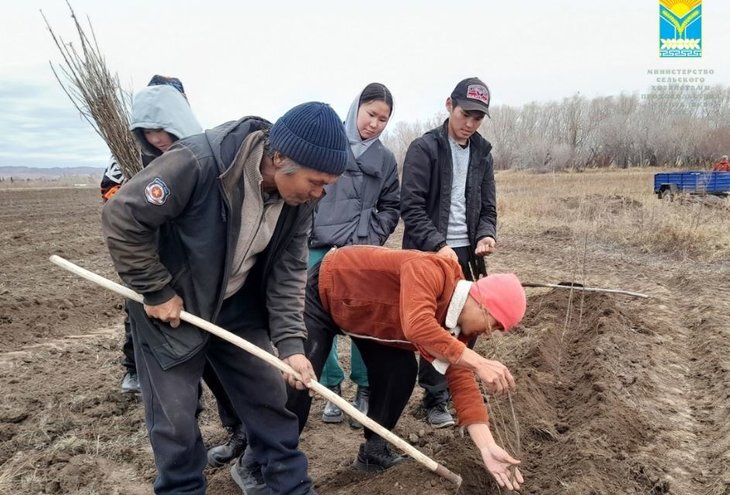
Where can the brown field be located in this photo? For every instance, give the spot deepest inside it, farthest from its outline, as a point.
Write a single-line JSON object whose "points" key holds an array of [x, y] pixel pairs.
{"points": [[617, 395]]}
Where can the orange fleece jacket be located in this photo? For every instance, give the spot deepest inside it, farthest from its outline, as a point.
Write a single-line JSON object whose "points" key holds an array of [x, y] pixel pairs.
{"points": [[400, 298]]}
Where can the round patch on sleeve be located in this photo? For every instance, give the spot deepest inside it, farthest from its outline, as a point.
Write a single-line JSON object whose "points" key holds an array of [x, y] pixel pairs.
{"points": [[157, 192]]}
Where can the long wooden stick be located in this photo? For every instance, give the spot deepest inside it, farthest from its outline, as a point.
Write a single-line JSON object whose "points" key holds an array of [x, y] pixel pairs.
{"points": [[348, 408], [586, 289]]}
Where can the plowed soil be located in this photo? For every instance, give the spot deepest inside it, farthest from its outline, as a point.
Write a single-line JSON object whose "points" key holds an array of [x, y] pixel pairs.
{"points": [[616, 394]]}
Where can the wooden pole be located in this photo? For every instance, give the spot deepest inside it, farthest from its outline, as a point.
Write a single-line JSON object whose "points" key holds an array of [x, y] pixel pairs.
{"points": [[348, 408], [586, 289]]}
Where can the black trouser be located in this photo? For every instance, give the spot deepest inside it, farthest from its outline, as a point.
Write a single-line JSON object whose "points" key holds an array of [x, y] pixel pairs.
{"points": [[256, 390], [392, 376], [128, 346], [225, 409], [391, 371], [321, 330], [433, 382]]}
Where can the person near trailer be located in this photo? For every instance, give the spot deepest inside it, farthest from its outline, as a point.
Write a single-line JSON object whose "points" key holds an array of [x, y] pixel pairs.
{"points": [[722, 166]]}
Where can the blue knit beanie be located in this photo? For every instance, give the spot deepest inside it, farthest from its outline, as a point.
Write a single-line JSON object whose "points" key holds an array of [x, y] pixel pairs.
{"points": [[312, 135]]}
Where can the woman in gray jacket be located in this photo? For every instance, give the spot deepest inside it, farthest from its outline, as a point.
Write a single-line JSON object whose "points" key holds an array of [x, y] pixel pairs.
{"points": [[362, 207]]}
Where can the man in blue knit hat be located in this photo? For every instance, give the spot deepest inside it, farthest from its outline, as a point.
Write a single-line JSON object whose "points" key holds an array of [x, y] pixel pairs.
{"points": [[218, 226]]}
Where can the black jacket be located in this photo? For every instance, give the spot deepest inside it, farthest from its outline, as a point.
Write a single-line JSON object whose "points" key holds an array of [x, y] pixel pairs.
{"points": [[426, 192], [197, 219]]}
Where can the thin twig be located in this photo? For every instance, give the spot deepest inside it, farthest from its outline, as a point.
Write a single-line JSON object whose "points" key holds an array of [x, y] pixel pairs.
{"points": [[494, 420], [584, 277], [585, 289], [566, 324], [496, 414]]}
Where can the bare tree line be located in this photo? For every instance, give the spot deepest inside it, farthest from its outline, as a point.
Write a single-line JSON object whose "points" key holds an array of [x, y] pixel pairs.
{"points": [[684, 127]]}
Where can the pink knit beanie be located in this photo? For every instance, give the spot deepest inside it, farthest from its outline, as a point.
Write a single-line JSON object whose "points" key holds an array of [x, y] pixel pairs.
{"points": [[503, 296]]}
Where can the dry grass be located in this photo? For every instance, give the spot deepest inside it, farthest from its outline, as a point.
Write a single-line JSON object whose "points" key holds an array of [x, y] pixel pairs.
{"points": [[613, 206]]}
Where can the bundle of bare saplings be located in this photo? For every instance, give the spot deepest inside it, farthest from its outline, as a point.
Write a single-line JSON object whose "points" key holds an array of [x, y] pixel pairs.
{"points": [[97, 94]]}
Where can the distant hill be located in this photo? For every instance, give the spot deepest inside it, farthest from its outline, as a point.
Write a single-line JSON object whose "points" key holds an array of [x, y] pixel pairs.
{"points": [[53, 172]]}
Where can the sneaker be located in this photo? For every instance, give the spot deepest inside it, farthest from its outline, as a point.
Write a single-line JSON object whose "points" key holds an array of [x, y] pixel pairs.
{"points": [[130, 383], [223, 454], [439, 416], [375, 455], [249, 478], [362, 398], [332, 413]]}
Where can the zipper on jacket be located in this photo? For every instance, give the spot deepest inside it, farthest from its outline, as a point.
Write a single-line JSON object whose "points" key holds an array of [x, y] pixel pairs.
{"points": [[225, 206]]}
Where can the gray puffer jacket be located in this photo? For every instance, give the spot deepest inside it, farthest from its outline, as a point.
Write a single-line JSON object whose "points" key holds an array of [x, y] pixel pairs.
{"points": [[363, 206]]}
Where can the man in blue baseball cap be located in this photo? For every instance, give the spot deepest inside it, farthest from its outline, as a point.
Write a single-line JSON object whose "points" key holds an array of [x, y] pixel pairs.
{"points": [[219, 226]]}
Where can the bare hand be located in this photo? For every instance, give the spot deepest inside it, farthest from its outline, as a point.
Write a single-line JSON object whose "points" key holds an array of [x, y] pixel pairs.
{"points": [[495, 375], [448, 253], [485, 246], [168, 311], [301, 365], [500, 465]]}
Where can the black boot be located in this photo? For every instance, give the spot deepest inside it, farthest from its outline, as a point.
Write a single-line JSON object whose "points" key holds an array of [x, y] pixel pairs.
{"points": [[376, 455], [234, 447]]}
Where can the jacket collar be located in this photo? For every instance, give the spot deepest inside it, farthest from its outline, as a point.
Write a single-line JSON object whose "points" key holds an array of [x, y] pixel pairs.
{"points": [[370, 161], [225, 140], [233, 174], [458, 299], [476, 141]]}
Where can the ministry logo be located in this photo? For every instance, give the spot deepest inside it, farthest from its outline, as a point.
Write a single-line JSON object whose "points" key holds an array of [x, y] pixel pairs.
{"points": [[680, 28]]}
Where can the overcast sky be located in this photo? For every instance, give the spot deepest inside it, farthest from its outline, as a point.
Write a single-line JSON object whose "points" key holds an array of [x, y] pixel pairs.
{"points": [[239, 58]]}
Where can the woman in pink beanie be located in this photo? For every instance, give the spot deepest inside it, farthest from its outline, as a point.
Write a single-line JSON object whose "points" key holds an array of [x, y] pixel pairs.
{"points": [[503, 296], [394, 302]]}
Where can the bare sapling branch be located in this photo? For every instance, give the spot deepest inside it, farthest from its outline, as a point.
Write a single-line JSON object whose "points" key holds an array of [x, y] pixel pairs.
{"points": [[96, 93]]}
